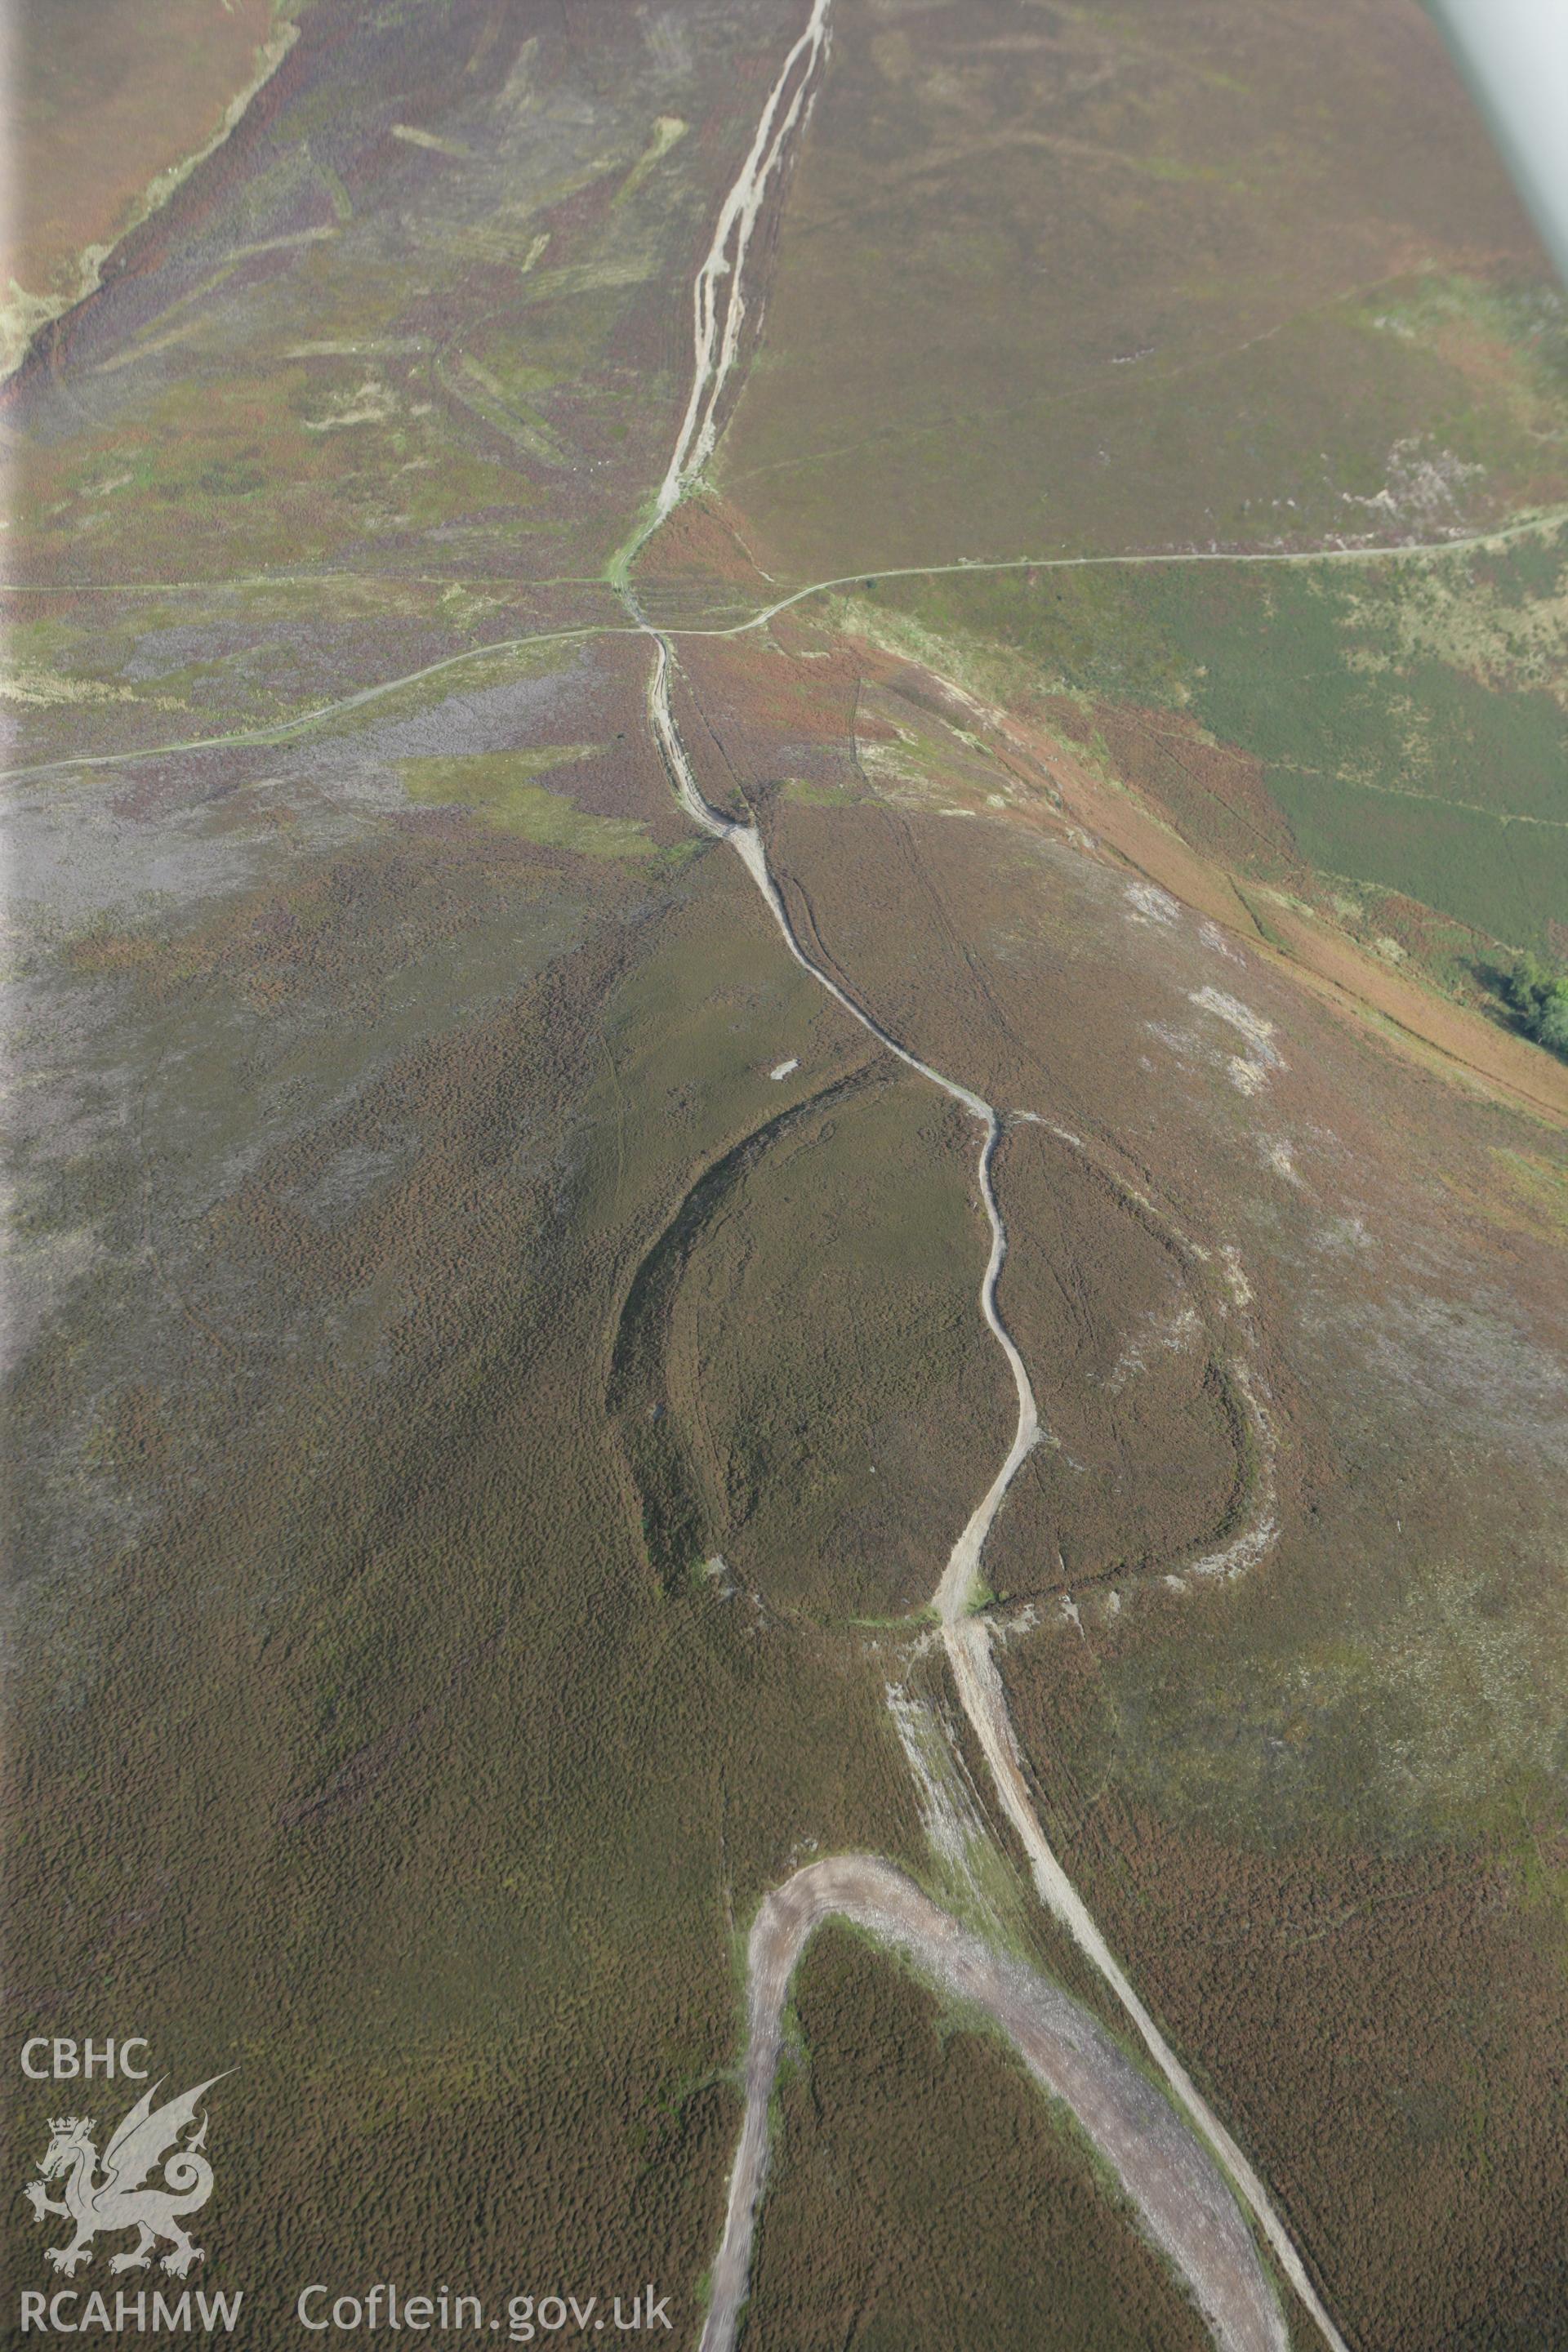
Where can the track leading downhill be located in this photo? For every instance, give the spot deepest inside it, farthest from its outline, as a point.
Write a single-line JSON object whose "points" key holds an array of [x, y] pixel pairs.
{"points": [[966, 1635]]}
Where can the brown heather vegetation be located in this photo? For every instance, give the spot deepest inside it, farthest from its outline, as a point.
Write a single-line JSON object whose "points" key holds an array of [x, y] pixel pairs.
{"points": [[383, 1767], [1150, 1459], [924, 2193], [1101, 283], [1383, 2028], [450, 1365], [821, 1467], [110, 99]]}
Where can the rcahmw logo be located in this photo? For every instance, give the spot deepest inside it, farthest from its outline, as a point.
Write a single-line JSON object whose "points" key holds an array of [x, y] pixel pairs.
{"points": [[152, 2176]]}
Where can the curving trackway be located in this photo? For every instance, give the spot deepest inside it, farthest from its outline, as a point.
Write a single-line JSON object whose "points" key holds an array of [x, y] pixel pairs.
{"points": [[1182, 2197]]}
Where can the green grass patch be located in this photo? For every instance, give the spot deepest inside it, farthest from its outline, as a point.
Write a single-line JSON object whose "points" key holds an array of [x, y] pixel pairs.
{"points": [[794, 788], [1409, 716], [499, 788]]}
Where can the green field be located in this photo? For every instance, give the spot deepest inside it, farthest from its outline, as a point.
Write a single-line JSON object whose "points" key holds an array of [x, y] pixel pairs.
{"points": [[1409, 717]]}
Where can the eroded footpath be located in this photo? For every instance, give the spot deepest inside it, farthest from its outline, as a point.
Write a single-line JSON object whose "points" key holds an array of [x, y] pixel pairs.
{"points": [[1178, 2191]]}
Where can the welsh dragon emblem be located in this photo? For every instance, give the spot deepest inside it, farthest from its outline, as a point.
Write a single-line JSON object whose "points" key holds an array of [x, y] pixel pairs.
{"points": [[118, 2197]]}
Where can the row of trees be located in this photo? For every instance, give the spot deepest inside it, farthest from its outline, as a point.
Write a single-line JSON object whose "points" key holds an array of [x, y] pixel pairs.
{"points": [[1540, 997]]}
